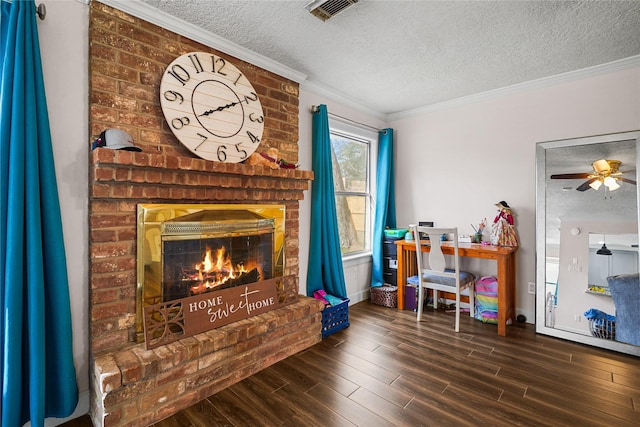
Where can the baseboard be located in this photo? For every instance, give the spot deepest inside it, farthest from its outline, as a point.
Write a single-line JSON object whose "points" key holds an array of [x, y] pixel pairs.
{"points": [[358, 296]]}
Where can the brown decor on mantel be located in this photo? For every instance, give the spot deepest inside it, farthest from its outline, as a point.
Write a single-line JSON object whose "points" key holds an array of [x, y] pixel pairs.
{"points": [[132, 385]]}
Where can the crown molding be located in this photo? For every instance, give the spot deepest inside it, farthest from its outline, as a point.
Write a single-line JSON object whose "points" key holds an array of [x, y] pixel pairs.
{"points": [[597, 70], [148, 13], [336, 96]]}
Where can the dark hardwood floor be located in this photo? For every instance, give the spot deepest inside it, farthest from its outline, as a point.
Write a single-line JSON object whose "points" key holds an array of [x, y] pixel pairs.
{"points": [[386, 370]]}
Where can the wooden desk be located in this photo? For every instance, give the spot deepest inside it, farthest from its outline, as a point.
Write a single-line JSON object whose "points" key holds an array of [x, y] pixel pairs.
{"points": [[505, 257]]}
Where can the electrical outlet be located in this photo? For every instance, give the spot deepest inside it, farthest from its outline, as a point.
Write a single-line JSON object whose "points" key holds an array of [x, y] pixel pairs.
{"points": [[532, 287], [577, 318]]}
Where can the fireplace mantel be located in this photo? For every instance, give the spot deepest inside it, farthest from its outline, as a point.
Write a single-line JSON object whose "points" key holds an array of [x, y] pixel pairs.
{"points": [[121, 174]]}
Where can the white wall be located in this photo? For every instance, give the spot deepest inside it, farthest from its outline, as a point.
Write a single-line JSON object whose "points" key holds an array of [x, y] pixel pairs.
{"points": [[64, 50], [454, 164]]}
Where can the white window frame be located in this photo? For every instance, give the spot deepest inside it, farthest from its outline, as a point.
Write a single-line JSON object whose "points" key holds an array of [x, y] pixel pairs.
{"points": [[344, 127]]}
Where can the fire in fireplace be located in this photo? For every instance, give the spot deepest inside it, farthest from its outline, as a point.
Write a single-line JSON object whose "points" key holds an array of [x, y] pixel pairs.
{"points": [[215, 249], [190, 250], [213, 272]]}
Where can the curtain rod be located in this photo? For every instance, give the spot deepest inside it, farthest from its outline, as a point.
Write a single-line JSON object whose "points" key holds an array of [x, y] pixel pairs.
{"points": [[315, 109]]}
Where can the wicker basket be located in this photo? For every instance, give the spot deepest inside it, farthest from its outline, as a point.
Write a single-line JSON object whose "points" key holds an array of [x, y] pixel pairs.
{"points": [[335, 318], [603, 328]]}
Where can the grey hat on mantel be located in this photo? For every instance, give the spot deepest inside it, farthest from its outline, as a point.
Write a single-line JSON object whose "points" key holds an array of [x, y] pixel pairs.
{"points": [[115, 139]]}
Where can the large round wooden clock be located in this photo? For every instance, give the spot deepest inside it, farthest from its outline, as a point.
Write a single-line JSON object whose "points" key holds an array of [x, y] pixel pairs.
{"points": [[211, 107]]}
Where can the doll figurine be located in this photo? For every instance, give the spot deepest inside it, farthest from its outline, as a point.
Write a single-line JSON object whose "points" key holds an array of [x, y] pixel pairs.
{"points": [[503, 232], [504, 211]]}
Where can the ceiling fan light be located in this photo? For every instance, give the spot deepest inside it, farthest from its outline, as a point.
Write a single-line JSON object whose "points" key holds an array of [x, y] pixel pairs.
{"points": [[604, 250], [595, 184], [611, 183]]}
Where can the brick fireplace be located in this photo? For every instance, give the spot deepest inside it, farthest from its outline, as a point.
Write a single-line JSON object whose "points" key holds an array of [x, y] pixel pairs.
{"points": [[131, 385]]}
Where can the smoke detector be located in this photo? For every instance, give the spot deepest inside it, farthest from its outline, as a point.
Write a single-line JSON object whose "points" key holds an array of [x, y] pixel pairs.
{"points": [[325, 9]]}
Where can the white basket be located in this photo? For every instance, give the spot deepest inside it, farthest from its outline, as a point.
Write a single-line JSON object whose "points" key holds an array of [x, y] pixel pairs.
{"points": [[603, 328]]}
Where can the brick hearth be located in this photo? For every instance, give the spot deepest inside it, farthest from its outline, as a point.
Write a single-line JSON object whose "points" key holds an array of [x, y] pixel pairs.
{"points": [[131, 385]]}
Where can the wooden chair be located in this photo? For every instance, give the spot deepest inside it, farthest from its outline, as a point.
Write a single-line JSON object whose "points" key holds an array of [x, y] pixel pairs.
{"points": [[434, 273]]}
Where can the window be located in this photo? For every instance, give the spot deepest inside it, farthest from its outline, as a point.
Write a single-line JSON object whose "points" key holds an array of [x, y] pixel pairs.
{"points": [[352, 154]]}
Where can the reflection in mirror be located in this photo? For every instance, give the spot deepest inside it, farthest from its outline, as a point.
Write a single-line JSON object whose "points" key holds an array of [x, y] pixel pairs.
{"points": [[587, 207], [610, 255]]}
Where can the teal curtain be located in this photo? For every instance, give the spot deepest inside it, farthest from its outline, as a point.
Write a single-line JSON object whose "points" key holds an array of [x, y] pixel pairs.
{"points": [[38, 375], [325, 259], [385, 210]]}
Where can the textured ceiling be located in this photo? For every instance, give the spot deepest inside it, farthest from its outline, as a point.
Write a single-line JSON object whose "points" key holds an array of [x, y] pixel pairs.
{"points": [[396, 56]]}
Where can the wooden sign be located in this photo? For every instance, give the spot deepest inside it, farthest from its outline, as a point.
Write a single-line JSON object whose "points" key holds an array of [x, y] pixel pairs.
{"points": [[173, 320]]}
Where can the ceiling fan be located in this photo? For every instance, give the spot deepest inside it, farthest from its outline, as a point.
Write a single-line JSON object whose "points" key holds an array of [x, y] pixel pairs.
{"points": [[604, 172]]}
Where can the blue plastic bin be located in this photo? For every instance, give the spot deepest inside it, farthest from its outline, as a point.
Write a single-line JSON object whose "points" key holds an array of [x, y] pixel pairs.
{"points": [[335, 318]]}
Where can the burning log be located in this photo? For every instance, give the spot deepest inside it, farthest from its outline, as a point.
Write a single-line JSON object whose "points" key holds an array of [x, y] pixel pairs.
{"points": [[248, 277]]}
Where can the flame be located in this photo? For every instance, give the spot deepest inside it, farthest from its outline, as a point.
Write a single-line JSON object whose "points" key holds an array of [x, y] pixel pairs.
{"points": [[215, 272]]}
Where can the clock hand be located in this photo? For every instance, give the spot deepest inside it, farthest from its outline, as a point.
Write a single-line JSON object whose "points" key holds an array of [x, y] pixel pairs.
{"points": [[206, 113]]}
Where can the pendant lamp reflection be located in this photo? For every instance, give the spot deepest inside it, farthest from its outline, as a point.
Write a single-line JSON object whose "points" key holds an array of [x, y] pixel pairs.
{"points": [[604, 250]]}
